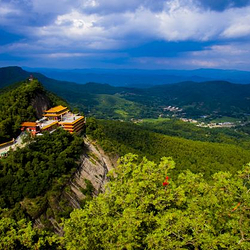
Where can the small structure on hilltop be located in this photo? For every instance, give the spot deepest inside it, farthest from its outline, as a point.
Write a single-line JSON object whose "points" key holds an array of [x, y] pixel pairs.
{"points": [[53, 118], [31, 78]]}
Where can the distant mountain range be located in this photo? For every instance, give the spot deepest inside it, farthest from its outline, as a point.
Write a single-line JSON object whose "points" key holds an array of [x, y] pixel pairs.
{"points": [[219, 98], [144, 78]]}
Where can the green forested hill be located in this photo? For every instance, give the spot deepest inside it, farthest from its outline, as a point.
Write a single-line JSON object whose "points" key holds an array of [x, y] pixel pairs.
{"points": [[31, 177], [239, 136], [196, 99], [31, 171], [10, 75], [21, 103], [200, 157], [206, 97], [102, 100]]}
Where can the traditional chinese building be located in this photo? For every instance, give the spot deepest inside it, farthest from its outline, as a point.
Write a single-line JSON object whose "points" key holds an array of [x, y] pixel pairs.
{"points": [[31, 127], [72, 123], [49, 125], [56, 113]]}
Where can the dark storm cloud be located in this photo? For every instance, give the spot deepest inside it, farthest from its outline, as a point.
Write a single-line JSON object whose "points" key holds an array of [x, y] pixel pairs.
{"points": [[220, 5]]}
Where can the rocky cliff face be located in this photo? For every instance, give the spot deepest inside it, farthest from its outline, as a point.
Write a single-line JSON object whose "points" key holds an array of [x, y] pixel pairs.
{"points": [[94, 167], [89, 180], [40, 103]]}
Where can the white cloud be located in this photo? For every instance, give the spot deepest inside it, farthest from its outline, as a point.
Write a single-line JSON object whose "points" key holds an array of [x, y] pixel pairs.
{"points": [[5, 11], [235, 55], [228, 56], [176, 63], [171, 20], [238, 29], [65, 55], [74, 26], [9, 14], [239, 23], [176, 21], [229, 50]]}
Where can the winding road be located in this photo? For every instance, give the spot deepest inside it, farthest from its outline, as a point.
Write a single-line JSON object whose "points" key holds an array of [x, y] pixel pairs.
{"points": [[17, 143]]}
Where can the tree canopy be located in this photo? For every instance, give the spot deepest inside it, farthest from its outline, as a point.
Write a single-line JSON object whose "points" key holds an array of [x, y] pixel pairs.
{"points": [[28, 173], [146, 207], [21, 235]]}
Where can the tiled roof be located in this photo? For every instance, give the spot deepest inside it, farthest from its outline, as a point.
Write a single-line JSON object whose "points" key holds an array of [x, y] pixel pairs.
{"points": [[56, 109], [28, 124]]}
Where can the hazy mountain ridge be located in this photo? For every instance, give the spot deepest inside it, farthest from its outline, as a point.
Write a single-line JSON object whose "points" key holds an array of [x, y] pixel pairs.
{"points": [[144, 78]]}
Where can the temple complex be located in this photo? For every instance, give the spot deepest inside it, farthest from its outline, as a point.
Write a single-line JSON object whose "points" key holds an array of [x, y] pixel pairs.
{"points": [[53, 118]]}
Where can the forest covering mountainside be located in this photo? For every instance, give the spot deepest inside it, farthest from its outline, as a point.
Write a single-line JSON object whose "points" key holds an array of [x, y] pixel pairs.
{"points": [[148, 206], [239, 135], [212, 99], [200, 157], [27, 174]]}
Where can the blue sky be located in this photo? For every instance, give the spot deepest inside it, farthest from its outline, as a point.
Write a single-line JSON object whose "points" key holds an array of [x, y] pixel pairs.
{"points": [[145, 34]]}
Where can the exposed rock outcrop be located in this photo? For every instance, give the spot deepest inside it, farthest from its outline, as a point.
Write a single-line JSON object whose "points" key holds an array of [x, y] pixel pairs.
{"points": [[89, 180], [94, 167], [40, 103]]}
